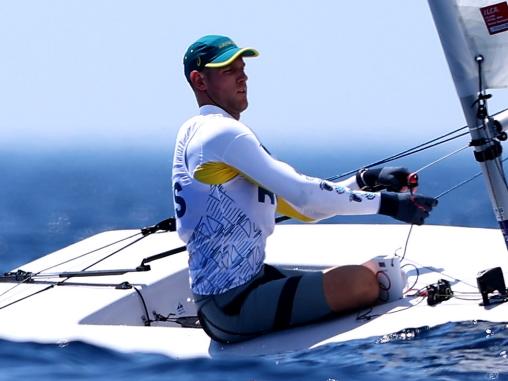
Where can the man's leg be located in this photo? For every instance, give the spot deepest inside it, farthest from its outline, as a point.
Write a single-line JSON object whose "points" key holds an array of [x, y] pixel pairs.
{"points": [[350, 287], [291, 301]]}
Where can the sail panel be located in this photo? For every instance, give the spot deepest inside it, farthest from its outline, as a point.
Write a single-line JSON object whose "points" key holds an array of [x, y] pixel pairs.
{"points": [[485, 27]]}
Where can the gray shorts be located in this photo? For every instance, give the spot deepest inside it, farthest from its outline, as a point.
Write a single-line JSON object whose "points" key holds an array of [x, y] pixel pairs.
{"points": [[274, 299]]}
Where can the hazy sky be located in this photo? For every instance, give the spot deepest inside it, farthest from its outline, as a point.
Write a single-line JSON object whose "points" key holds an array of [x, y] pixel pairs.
{"points": [[330, 73]]}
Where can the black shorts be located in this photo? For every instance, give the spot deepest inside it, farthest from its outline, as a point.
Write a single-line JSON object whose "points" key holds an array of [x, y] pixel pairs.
{"points": [[274, 299]]}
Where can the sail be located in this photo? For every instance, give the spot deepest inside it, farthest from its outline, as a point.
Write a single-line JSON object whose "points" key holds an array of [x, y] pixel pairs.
{"points": [[469, 29], [485, 28]]}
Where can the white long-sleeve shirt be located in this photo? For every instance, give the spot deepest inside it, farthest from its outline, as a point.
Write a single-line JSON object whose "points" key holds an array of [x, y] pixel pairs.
{"points": [[227, 190]]}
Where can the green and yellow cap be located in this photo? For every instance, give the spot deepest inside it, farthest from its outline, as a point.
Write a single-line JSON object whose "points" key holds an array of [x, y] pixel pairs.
{"points": [[213, 51]]}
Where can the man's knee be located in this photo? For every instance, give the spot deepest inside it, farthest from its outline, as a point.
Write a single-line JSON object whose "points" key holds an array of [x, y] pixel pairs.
{"points": [[350, 287], [369, 286]]}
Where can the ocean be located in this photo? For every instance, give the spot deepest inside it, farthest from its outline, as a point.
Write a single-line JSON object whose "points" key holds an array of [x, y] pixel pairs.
{"points": [[50, 199]]}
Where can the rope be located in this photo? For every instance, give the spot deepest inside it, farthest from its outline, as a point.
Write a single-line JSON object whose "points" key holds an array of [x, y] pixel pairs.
{"points": [[147, 321], [441, 159], [144, 233], [478, 174], [410, 151], [88, 253], [64, 262]]}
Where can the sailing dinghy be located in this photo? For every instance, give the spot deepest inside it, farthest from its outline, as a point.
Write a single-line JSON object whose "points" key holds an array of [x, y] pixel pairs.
{"points": [[125, 290]]}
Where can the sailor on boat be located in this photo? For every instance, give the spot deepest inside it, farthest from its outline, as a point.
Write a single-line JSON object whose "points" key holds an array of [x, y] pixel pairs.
{"points": [[228, 189]]}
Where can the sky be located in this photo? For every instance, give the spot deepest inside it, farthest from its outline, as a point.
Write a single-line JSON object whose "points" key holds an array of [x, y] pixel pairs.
{"points": [[330, 74]]}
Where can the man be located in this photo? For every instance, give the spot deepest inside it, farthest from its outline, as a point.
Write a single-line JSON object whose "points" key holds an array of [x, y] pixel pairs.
{"points": [[227, 190]]}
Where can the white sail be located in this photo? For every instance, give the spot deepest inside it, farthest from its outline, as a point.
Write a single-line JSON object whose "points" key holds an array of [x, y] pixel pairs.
{"points": [[469, 29], [485, 27]]}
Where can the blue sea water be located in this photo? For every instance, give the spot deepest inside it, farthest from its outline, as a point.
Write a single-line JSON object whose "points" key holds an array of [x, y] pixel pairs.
{"points": [[453, 351], [51, 199]]}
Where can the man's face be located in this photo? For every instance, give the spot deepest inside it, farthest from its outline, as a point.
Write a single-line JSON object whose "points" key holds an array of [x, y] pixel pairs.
{"points": [[227, 86]]}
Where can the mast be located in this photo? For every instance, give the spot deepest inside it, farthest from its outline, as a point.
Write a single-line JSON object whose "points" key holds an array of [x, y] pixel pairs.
{"points": [[467, 60]]}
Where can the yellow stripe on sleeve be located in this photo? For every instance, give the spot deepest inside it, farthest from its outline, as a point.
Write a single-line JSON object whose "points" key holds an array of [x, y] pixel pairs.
{"points": [[215, 173], [284, 208]]}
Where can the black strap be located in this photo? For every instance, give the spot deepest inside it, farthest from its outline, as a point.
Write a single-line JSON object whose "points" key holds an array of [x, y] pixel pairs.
{"points": [[286, 301], [270, 274], [282, 316], [284, 304]]}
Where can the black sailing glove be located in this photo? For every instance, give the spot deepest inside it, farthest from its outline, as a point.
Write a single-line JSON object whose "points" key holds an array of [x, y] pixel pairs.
{"points": [[406, 207], [393, 179]]}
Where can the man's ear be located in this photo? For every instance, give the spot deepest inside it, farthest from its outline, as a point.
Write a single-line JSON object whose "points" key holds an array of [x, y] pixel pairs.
{"points": [[197, 80]]}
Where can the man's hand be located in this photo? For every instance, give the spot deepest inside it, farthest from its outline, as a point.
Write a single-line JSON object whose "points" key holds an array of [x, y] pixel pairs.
{"points": [[393, 179], [406, 207]]}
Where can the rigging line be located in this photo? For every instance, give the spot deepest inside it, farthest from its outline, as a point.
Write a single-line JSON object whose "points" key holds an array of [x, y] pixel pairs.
{"points": [[416, 278], [61, 282], [162, 225], [434, 270], [476, 175], [411, 228], [285, 218], [368, 315], [466, 299], [437, 197], [423, 147], [145, 232], [77, 284], [148, 321], [407, 241], [113, 253], [27, 296], [400, 155], [13, 287], [441, 159], [67, 261], [88, 253], [397, 156], [168, 225], [458, 185], [433, 140]]}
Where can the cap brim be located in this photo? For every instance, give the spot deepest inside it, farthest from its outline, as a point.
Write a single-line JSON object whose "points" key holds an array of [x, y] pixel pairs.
{"points": [[229, 56]]}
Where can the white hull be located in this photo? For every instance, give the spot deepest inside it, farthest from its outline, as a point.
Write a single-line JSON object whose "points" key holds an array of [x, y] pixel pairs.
{"points": [[113, 318]]}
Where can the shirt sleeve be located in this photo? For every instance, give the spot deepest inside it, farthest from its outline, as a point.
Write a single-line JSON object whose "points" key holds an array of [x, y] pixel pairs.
{"points": [[312, 197]]}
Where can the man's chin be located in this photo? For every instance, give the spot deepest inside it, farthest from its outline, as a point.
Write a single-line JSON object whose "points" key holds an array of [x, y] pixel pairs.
{"points": [[240, 106], [244, 104]]}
